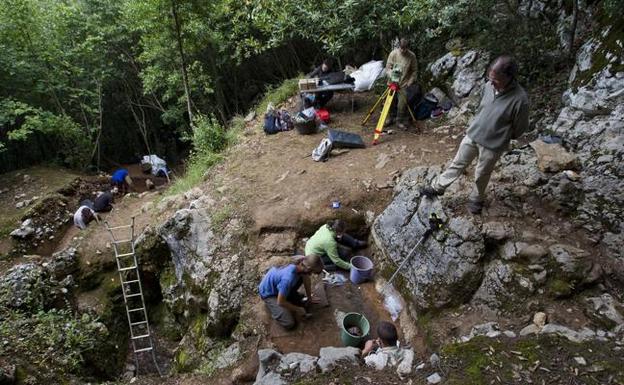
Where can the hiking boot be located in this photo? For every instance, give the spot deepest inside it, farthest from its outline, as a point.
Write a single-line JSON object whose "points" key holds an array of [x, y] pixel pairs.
{"points": [[475, 207], [429, 192]]}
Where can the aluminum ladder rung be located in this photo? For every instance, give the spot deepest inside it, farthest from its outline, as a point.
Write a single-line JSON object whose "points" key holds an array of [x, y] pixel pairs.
{"points": [[138, 323], [120, 227], [143, 350], [127, 268], [133, 281], [124, 255], [137, 309], [133, 295], [141, 336]]}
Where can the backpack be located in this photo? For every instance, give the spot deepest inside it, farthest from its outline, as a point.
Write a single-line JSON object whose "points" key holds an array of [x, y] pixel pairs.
{"points": [[423, 109], [276, 121], [321, 152]]}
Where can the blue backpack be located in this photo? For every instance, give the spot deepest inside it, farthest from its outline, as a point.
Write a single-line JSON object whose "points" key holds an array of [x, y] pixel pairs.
{"points": [[423, 109]]}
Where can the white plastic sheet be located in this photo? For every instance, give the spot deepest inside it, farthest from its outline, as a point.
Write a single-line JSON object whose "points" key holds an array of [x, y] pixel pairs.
{"points": [[366, 75], [157, 163]]}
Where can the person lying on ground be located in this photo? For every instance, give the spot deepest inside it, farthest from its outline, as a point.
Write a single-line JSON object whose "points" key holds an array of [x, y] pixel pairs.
{"points": [[401, 68], [333, 245], [279, 289], [503, 115], [385, 351], [103, 202], [121, 179], [84, 215]]}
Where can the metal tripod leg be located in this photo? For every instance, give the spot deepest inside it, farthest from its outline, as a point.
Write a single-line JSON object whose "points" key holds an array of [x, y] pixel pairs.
{"points": [[372, 110]]}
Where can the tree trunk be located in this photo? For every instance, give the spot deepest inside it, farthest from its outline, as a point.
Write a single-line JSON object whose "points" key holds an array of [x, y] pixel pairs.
{"points": [[187, 91]]}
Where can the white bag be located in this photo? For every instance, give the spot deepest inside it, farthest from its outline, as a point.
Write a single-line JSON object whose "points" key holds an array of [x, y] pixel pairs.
{"points": [[321, 152], [366, 75]]}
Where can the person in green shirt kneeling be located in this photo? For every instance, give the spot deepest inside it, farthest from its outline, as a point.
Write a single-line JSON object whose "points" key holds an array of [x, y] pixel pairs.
{"points": [[334, 245]]}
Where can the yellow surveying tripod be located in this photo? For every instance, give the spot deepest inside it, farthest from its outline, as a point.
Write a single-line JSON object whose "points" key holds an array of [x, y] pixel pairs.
{"points": [[388, 95]]}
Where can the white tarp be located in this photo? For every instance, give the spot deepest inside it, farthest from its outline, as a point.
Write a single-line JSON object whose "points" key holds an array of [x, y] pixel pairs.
{"points": [[366, 75], [158, 164]]}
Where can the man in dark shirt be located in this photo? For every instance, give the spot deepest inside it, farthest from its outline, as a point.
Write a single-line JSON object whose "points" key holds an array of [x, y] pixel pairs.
{"points": [[326, 68], [503, 115], [103, 202]]}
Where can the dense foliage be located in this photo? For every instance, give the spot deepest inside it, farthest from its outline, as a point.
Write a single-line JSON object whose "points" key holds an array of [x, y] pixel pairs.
{"points": [[116, 79]]}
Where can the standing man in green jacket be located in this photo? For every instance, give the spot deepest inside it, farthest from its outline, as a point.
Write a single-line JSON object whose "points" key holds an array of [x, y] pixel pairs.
{"points": [[333, 245], [503, 115], [401, 62]]}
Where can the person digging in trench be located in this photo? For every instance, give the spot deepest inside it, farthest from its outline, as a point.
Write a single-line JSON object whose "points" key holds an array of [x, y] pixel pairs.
{"points": [[385, 351], [279, 289], [333, 245], [502, 115]]}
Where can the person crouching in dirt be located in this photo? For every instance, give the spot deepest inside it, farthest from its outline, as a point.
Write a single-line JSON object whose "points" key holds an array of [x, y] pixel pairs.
{"points": [[121, 179], [385, 351], [84, 215], [279, 289], [333, 245], [103, 202]]}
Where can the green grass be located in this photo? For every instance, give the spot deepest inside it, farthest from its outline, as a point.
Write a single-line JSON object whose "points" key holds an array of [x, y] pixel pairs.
{"points": [[277, 95]]}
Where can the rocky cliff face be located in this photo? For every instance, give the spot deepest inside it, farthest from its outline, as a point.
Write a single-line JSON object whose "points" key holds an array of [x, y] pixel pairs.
{"points": [[554, 227]]}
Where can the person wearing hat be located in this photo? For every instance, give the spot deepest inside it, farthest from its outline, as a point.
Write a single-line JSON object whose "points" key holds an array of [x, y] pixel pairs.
{"points": [[279, 289]]}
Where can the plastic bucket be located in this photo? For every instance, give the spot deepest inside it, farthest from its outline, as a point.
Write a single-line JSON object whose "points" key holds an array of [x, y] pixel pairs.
{"points": [[354, 320], [361, 269]]}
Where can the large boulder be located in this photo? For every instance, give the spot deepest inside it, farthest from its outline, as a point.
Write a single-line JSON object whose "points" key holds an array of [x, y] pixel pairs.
{"points": [[470, 72], [503, 288], [552, 157], [205, 274], [592, 126], [446, 268]]}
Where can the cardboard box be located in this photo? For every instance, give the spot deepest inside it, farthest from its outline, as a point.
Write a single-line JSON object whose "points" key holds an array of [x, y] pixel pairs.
{"points": [[307, 84]]}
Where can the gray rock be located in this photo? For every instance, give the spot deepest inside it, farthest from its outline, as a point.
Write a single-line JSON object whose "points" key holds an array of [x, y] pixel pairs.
{"points": [[447, 267], [443, 66], [266, 357], [605, 309], [533, 253], [25, 286], [25, 230], [539, 319], [573, 262], [305, 362], [330, 356], [502, 288], [229, 357], [511, 250], [572, 335], [469, 72], [488, 329], [434, 360], [580, 360], [271, 378], [206, 268], [497, 231], [509, 334], [434, 379]]}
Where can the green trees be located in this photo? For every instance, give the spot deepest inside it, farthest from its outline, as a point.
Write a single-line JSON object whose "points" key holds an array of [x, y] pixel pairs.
{"points": [[128, 77]]}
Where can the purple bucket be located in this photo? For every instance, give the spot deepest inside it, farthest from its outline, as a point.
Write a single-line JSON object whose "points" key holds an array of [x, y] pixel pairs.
{"points": [[361, 269]]}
